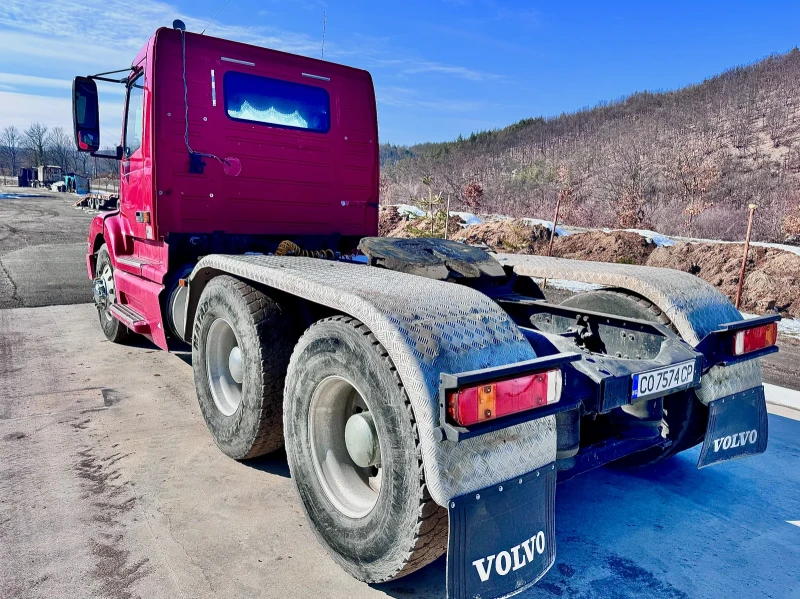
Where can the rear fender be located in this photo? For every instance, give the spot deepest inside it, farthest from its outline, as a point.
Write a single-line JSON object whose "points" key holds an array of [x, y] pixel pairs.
{"points": [[428, 328], [695, 307]]}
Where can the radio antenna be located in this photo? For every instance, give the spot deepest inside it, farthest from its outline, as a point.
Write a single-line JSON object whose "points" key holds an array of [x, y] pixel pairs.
{"points": [[324, 23], [214, 17]]}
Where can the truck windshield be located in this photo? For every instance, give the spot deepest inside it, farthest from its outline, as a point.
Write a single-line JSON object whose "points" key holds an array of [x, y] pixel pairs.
{"points": [[274, 102]]}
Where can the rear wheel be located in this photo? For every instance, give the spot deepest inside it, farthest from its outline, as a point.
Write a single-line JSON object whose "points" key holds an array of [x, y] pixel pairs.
{"points": [[685, 417], [113, 329], [353, 451], [241, 345]]}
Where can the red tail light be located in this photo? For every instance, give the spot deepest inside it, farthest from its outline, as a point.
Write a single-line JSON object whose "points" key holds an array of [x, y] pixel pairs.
{"points": [[749, 340], [479, 403]]}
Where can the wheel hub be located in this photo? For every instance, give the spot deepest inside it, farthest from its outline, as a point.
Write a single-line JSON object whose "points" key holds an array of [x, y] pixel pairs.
{"points": [[224, 366], [104, 290], [235, 365], [345, 447], [361, 440]]}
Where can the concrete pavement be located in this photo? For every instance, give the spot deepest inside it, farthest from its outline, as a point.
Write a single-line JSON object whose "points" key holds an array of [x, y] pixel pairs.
{"points": [[110, 486]]}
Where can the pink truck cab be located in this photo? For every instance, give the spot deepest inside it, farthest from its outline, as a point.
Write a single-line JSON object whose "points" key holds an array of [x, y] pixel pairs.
{"points": [[232, 149]]}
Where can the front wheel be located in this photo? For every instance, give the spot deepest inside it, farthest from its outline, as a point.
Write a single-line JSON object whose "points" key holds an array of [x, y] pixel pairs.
{"points": [[353, 451], [113, 329]]}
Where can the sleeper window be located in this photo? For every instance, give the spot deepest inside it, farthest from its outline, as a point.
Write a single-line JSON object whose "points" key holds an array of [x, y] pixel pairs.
{"points": [[278, 103]]}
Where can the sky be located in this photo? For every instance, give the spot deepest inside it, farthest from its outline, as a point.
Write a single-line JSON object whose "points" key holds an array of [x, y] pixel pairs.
{"points": [[441, 68]]}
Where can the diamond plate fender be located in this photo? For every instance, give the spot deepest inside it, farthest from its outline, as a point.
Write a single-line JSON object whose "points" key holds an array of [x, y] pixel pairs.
{"points": [[692, 305], [428, 327]]}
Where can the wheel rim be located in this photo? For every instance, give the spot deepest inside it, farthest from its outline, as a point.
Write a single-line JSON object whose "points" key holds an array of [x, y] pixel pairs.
{"points": [[352, 489], [107, 275], [224, 366]]}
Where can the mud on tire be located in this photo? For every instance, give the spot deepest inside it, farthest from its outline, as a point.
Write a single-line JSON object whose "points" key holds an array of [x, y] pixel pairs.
{"points": [[404, 529], [264, 335]]}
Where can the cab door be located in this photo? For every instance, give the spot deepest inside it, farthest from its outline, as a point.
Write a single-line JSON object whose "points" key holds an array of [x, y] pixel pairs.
{"points": [[135, 171]]}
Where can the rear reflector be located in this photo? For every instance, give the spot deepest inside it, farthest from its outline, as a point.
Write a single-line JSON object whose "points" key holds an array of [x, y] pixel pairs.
{"points": [[479, 403], [750, 340]]}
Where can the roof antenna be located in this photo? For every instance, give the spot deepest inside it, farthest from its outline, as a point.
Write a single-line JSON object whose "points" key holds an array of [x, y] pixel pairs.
{"points": [[214, 17], [324, 23]]}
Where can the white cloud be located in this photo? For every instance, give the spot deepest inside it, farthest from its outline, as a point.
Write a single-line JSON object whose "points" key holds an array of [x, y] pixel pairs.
{"points": [[456, 71], [21, 110], [28, 80]]}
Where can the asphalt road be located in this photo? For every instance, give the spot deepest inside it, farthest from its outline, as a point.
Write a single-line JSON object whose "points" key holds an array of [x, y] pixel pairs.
{"points": [[42, 249], [111, 487]]}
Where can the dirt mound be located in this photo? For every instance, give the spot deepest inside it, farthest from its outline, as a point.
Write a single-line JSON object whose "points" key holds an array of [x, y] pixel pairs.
{"points": [[407, 228], [506, 236], [622, 247], [772, 279], [388, 219]]}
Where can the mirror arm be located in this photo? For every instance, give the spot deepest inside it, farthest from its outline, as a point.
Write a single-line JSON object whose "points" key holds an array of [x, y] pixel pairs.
{"points": [[97, 78], [117, 156], [100, 76]]}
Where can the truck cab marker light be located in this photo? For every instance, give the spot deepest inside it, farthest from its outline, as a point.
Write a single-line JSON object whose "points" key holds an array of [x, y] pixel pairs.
{"points": [[213, 89], [750, 340], [487, 401], [320, 77], [247, 63]]}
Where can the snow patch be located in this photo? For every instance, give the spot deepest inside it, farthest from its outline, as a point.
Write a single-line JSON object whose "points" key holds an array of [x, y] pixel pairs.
{"points": [[574, 286], [468, 218], [548, 224], [657, 238], [408, 209]]}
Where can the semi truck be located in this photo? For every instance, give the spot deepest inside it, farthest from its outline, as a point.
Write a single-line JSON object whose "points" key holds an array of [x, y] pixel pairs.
{"points": [[428, 395]]}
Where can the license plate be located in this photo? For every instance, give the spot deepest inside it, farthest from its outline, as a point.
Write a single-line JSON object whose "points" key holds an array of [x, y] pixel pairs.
{"points": [[661, 381]]}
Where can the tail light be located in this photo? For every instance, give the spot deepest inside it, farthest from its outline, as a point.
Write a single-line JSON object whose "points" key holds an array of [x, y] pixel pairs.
{"points": [[487, 401], [750, 340]]}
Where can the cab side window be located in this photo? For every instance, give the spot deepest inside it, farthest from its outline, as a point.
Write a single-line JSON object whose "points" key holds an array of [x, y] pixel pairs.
{"points": [[134, 118]]}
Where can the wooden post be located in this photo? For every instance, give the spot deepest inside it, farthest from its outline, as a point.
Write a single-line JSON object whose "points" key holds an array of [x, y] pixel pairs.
{"points": [[744, 256], [447, 216], [552, 234]]}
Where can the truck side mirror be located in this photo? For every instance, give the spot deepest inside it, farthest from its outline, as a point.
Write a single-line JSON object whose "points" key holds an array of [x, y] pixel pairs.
{"points": [[85, 114]]}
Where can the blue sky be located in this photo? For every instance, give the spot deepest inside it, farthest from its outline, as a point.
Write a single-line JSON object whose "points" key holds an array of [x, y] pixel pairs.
{"points": [[441, 67]]}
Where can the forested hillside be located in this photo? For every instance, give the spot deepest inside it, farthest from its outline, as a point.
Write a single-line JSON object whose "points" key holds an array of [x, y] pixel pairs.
{"points": [[681, 162]]}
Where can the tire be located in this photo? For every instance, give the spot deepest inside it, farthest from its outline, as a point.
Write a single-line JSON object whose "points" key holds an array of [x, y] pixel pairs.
{"points": [[113, 329], [245, 418], [403, 529], [685, 417]]}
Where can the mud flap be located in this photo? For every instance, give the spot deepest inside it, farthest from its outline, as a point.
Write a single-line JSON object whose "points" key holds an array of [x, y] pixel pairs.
{"points": [[737, 427], [502, 538]]}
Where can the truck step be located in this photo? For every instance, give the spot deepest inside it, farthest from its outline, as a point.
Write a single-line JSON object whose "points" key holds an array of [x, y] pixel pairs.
{"points": [[130, 318]]}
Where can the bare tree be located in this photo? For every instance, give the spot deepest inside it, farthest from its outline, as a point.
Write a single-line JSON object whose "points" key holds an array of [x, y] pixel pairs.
{"points": [[59, 148], [36, 143], [10, 141]]}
